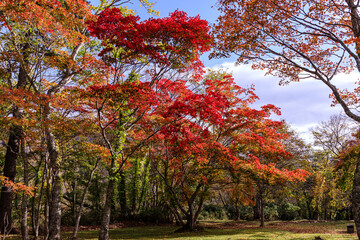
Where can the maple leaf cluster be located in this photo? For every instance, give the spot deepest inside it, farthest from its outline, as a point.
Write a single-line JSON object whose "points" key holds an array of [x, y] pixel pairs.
{"points": [[176, 40]]}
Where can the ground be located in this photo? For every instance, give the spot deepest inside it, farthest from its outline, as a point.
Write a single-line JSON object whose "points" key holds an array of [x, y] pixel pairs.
{"points": [[222, 230]]}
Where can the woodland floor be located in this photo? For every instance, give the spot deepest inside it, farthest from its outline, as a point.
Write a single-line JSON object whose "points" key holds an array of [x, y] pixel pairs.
{"points": [[222, 230]]}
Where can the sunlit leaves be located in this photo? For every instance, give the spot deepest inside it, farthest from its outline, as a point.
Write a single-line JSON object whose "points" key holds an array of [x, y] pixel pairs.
{"points": [[176, 40]]}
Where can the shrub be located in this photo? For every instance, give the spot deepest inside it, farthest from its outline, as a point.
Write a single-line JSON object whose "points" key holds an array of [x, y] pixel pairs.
{"points": [[156, 215], [271, 212], [288, 211], [212, 211]]}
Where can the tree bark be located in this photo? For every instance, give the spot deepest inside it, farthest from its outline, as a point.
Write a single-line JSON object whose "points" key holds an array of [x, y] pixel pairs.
{"points": [[257, 207], [55, 203], [46, 207], [237, 212], [262, 213], [356, 196], [190, 220], [105, 220], [12, 152], [260, 201], [36, 208], [24, 205]]}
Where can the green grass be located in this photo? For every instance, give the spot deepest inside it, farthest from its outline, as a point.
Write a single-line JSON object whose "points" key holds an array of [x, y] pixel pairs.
{"points": [[229, 230]]}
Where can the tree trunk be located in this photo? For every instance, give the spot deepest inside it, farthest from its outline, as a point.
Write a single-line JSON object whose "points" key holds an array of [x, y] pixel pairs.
{"points": [[37, 200], [12, 152], [262, 213], [356, 196], [55, 209], [260, 201], [190, 221], [79, 212], [24, 206], [55, 203], [46, 208], [144, 184], [257, 207], [237, 212], [105, 220], [74, 200]]}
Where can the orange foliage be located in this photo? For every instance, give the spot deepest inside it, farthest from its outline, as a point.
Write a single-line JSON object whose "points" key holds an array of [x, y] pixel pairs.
{"points": [[17, 187]]}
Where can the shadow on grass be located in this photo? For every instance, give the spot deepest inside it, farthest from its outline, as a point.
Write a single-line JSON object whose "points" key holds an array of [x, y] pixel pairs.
{"points": [[166, 232]]}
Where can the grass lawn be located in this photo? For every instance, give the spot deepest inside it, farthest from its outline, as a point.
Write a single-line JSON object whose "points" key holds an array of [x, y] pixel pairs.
{"points": [[226, 230]]}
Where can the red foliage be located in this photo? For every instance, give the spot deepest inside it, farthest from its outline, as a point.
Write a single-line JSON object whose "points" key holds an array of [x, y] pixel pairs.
{"points": [[175, 40]]}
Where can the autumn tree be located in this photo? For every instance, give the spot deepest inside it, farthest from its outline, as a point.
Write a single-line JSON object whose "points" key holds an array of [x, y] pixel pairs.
{"points": [[218, 132], [138, 55], [296, 40], [334, 134], [39, 38]]}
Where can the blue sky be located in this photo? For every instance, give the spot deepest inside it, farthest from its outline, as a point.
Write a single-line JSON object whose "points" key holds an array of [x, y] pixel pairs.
{"points": [[303, 104], [206, 9]]}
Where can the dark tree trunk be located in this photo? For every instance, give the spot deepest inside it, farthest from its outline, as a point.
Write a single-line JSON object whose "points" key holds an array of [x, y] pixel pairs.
{"points": [[192, 213], [262, 213], [356, 196], [190, 221], [257, 207], [237, 212], [12, 152], [261, 203]]}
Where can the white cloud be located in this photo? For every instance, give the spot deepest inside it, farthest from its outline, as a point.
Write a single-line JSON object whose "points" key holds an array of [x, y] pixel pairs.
{"points": [[303, 104]]}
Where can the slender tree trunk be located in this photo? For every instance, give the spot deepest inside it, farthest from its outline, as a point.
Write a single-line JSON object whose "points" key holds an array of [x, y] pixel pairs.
{"points": [[24, 213], [55, 209], [36, 211], [36, 205], [105, 220], [262, 213], [257, 207], [24, 205], [79, 212], [356, 196], [260, 201], [46, 207], [144, 184], [75, 195], [55, 203]]}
